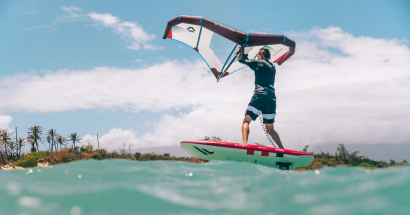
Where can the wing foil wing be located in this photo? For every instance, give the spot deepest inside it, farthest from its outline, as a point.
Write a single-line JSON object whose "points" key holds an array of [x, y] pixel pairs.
{"points": [[216, 43]]}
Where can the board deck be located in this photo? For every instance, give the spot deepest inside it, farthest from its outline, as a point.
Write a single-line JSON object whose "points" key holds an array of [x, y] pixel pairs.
{"points": [[265, 155]]}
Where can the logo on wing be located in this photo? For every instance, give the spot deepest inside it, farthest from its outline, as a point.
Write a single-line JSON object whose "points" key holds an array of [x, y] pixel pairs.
{"points": [[224, 26], [191, 29]]}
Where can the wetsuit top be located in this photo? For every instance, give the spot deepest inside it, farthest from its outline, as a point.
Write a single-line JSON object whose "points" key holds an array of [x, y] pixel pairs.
{"points": [[264, 74]]}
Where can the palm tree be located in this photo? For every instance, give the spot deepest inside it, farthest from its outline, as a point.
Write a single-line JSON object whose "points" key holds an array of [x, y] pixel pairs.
{"points": [[52, 134], [48, 139], [33, 145], [20, 143], [74, 138], [34, 134], [5, 140], [12, 148], [1, 151], [61, 140]]}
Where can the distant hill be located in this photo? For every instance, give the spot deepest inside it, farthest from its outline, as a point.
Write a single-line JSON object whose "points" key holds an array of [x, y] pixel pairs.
{"points": [[380, 152]]}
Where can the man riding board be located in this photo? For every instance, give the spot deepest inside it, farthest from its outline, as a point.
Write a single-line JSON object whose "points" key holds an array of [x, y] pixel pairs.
{"points": [[264, 99]]}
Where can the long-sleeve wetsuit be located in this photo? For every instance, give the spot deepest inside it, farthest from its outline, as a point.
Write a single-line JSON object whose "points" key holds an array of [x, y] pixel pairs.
{"points": [[264, 98], [264, 73]]}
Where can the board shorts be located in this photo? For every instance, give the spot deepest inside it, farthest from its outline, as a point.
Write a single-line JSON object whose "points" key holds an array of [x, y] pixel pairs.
{"points": [[264, 104]]}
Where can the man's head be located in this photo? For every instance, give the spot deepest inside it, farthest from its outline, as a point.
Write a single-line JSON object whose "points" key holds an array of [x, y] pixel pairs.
{"points": [[264, 54]]}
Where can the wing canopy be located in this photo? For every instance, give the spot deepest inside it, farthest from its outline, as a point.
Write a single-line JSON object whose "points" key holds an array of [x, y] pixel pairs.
{"points": [[216, 43]]}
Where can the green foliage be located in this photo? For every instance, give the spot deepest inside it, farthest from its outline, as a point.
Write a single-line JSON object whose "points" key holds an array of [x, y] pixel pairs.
{"points": [[100, 154], [345, 157], [29, 162], [137, 155], [343, 153], [75, 149], [166, 156], [36, 155], [305, 149], [367, 165], [87, 148], [130, 157], [382, 164], [148, 157]]}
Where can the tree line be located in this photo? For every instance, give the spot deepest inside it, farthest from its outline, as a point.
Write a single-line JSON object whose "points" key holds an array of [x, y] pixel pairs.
{"points": [[11, 144], [342, 156], [63, 149]]}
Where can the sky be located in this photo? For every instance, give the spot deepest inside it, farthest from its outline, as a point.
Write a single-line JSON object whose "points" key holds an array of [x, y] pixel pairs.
{"points": [[97, 67]]}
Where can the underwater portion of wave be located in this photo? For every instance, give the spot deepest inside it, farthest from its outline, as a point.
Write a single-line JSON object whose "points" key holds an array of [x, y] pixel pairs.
{"points": [[162, 187]]}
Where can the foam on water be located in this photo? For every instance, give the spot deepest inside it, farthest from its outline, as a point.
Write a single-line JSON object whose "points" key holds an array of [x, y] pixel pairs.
{"points": [[161, 187]]}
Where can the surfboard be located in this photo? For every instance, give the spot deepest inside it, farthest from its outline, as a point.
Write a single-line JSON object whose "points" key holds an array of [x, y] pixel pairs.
{"points": [[269, 156]]}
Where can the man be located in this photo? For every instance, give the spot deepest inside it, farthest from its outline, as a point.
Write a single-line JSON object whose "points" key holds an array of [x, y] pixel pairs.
{"points": [[264, 98]]}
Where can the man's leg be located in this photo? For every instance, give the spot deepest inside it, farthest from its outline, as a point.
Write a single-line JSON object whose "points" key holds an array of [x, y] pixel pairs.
{"points": [[275, 136], [245, 128]]}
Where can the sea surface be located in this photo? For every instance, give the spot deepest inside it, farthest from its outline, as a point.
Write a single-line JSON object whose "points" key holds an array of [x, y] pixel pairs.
{"points": [[163, 187]]}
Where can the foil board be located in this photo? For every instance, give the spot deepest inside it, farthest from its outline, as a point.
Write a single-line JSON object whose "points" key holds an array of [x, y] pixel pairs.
{"points": [[269, 156]]}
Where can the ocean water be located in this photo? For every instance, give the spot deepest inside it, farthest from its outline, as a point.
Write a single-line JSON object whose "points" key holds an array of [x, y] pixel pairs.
{"points": [[163, 187]]}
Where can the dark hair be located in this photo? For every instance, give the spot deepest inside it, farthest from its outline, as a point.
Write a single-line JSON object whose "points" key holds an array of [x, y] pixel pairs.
{"points": [[264, 52]]}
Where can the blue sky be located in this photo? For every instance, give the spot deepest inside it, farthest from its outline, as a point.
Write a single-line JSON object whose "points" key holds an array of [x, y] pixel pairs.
{"points": [[80, 46], [38, 38]]}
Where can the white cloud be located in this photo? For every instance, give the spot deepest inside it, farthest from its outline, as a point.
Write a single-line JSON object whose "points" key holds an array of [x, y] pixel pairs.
{"points": [[71, 14], [132, 31], [337, 88], [159, 87], [71, 9], [170, 130], [113, 139], [106, 19], [40, 27], [135, 35], [5, 121]]}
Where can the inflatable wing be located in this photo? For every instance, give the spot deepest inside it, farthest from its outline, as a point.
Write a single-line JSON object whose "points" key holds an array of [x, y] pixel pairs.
{"points": [[202, 35]]}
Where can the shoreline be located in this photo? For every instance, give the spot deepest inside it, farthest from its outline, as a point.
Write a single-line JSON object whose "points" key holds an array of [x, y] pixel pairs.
{"points": [[343, 157], [41, 163], [11, 166]]}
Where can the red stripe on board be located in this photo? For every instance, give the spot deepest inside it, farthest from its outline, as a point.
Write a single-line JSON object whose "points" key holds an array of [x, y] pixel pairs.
{"points": [[265, 153], [247, 146], [250, 152]]}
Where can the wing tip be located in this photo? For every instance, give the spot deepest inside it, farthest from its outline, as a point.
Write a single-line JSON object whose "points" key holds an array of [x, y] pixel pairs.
{"points": [[217, 74]]}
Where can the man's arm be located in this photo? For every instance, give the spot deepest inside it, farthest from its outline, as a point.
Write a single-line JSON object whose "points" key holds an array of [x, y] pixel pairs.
{"points": [[243, 58]]}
